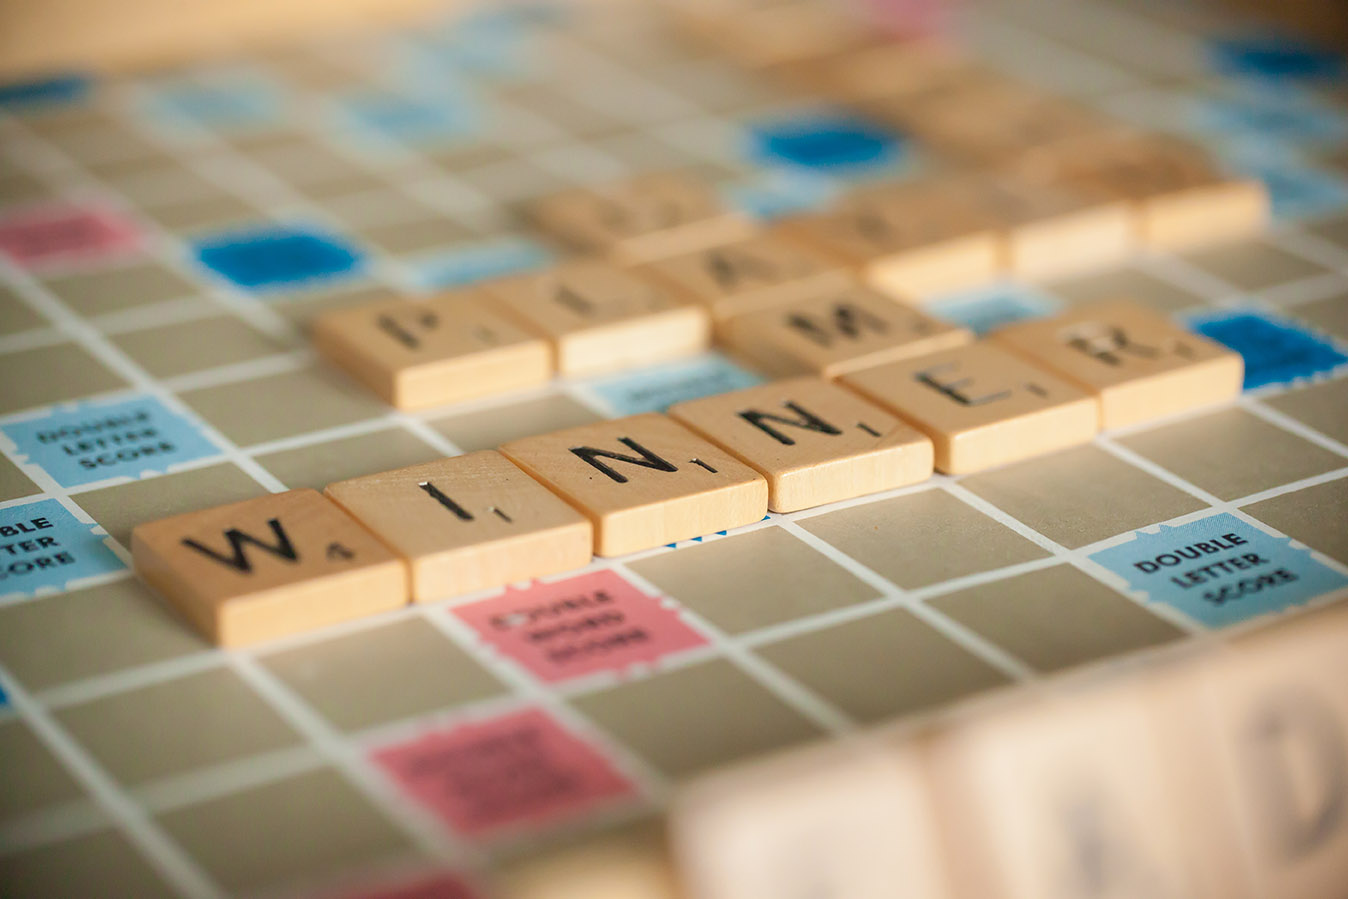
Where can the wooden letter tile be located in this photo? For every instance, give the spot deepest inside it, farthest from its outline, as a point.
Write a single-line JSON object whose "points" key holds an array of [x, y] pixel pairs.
{"points": [[834, 331], [815, 442], [909, 240], [755, 273], [426, 353], [602, 318], [645, 218], [644, 481], [268, 567], [1139, 363], [981, 405], [468, 523]]}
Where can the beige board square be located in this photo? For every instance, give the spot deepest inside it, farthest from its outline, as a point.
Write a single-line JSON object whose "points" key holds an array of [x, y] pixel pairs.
{"points": [[268, 567], [90, 633], [980, 405], [1135, 284], [404, 669], [489, 428], [302, 309], [754, 580], [1329, 314], [835, 330], [419, 353], [1255, 264], [319, 464], [1081, 496], [813, 441], [992, 127], [1055, 618], [601, 318], [643, 481], [173, 727], [416, 236], [13, 482], [781, 33], [1050, 232], [468, 523], [1335, 228], [115, 289], [34, 778], [216, 211], [754, 273], [119, 509], [1233, 453], [882, 666], [15, 315], [273, 407], [310, 826], [846, 819], [693, 718], [897, 70], [1179, 199], [922, 539], [1313, 515], [21, 187], [1274, 738], [52, 374], [1137, 362], [1322, 406], [910, 240], [103, 863], [640, 219], [184, 347], [1068, 796]]}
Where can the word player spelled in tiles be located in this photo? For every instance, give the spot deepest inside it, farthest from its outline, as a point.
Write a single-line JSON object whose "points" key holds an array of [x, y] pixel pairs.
{"points": [[644, 481], [1136, 361], [815, 442], [642, 219], [601, 318], [447, 349], [268, 567], [834, 331], [468, 523], [981, 406]]}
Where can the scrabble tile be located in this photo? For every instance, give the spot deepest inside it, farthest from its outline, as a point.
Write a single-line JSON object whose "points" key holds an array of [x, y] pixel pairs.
{"points": [[1048, 232], [1138, 363], [84, 865], [177, 726], [834, 331], [897, 70], [907, 538], [377, 675], [753, 580], [732, 717], [1055, 618], [1082, 495], [467, 523], [267, 567], [1312, 515], [815, 442], [993, 127], [981, 406], [910, 666], [1067, 794], [911, 239], [600, 318], [779, 33], [446, 349], [754, 273], [645, 218], [632, 864], [643, 481], [1180, 200], [857, 818]]}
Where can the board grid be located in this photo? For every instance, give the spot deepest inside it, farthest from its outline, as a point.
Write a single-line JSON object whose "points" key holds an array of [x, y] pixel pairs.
{"points": [[616, 97]]}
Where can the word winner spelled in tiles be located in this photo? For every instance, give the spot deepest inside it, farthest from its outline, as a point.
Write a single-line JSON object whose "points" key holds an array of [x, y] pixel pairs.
{"points": [[815, 442], [467, 523], [268, 567], [644, 481]]}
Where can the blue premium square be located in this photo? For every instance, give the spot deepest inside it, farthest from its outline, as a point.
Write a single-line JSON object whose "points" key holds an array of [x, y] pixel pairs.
{"points": [[43, 545], [1276, 351], [656, 389], [282, 256], [985, 309], [834, 142]]}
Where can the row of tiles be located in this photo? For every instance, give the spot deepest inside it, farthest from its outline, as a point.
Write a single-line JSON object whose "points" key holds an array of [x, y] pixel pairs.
{"points": [[1215, 775], [542, 505]]}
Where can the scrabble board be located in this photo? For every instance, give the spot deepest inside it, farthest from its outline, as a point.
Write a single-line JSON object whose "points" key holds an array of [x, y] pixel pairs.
{"points": [[165, 239]]}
